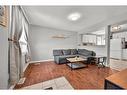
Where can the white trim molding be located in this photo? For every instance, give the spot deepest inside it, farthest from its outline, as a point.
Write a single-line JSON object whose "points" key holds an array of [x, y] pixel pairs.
{"points": [[27, 64], [41, 61]]}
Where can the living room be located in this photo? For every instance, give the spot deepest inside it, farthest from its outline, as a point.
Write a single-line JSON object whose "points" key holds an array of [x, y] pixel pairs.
{"points": [[63, 44]]}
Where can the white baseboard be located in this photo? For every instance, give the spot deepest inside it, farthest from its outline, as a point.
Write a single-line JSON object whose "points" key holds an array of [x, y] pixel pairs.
{"points": [[22, 80], [25, 67], [41, 61], [12, 87]]}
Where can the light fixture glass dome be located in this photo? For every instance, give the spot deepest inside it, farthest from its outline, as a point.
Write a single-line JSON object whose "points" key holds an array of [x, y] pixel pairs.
{"points": [[74, 16]]}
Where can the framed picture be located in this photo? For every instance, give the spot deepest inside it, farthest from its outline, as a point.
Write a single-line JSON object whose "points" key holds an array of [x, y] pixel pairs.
{"points": [[3, 15]]}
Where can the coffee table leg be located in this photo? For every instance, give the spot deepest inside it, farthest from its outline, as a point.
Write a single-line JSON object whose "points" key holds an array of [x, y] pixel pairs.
{"points": [[98, 62]]}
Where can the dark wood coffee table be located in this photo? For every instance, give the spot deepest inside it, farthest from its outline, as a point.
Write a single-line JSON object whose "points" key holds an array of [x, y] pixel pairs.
{"points": [[76, 63]]}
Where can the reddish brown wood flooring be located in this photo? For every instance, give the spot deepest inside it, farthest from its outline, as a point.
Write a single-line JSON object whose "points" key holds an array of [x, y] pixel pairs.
{"points": [[85, 78]]}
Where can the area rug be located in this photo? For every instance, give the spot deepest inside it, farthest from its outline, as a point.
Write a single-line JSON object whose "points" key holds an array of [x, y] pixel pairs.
{"points": [[54, 84]]}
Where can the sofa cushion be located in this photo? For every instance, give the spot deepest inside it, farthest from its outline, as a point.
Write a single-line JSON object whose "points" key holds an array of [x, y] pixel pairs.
{"points": [[85, 52], [57, 52], [74, 51], [67, 52]]}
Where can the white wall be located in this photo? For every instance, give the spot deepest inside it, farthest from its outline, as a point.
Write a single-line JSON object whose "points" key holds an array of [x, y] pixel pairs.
{"points": [[42, 43], [3, 57], [4, 76]]}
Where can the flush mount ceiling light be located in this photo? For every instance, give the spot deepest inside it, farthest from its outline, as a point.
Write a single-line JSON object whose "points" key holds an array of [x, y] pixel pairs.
{"points": [[74, 16], [115, 28]]}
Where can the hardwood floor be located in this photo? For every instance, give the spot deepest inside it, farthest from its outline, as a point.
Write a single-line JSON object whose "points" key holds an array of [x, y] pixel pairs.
{"points": [[85, 78]]}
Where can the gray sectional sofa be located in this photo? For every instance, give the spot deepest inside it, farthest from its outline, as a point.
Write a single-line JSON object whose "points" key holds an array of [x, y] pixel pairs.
{"points": [[61, 54]]}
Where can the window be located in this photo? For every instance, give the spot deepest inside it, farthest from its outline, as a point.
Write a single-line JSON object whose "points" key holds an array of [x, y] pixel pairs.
{"points": [[94, 39], [23, 42], [100, 40], [89, 39]]}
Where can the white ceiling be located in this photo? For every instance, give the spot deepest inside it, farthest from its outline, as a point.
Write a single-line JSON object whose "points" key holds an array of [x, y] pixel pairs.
{"points": [[93, 17]]}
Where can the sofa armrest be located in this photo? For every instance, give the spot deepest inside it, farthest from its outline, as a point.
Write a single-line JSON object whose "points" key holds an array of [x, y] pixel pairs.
{"points": [[56, 59]]}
